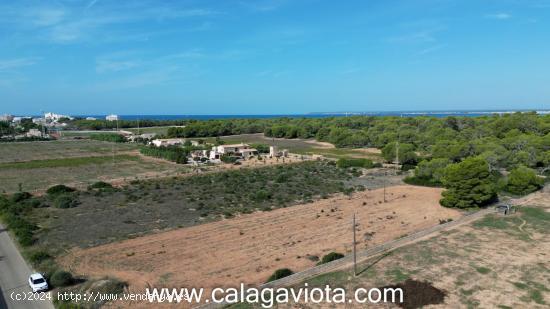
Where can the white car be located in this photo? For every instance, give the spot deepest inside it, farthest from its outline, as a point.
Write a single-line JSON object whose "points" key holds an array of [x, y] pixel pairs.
{"points": [[38, 283]]}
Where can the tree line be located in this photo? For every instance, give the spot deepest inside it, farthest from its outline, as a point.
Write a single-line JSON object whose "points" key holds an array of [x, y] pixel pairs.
{"points": [[83, 124], [483, 155]]}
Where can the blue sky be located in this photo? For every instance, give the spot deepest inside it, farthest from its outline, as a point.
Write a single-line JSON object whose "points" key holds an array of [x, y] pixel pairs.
{"points": [[272, 56]]}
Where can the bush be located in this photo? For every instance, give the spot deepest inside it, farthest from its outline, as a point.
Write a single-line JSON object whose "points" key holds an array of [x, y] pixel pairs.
{"points": [[59, 189], [37, 257], [333, 256], [61, 278], [101, 185], [228, 159], [280, 273], [262, 148], [523, 180], [65, 201], [20, 196]]}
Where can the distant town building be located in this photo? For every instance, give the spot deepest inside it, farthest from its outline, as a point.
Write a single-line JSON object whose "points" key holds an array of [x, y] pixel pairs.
{"points": [[39, 120], [55, 117], [91, 118], [34, 133], [111, 117], [6, 117]]}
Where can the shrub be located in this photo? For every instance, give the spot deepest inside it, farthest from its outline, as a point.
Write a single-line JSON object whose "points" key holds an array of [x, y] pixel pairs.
{"points": [[228, 159], [37, 257], [101, 185], [65, 201], [345, 163], [280, 273], [333, 256], [109, 286], [20, 196], [35, 203], [523, 180], [61, 278], [21, 228], [262, 148], [59, 189]]}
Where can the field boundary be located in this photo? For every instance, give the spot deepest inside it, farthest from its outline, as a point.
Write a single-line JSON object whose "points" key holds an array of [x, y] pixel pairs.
{"points": [[363, 255]]}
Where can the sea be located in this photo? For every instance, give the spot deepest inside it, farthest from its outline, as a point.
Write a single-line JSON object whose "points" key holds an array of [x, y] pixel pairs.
{"points": [[438, 114]]}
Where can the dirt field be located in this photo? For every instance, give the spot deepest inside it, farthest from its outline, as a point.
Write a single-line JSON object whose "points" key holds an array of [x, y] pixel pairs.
{"points": [[495, 262], [249, 248]]}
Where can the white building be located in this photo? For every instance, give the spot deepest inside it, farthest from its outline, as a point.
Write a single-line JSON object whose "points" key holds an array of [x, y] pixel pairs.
{"points": [[168, 142], [111, 117], [39, 120], [90, 118], [274, 152], [55, 117], [34, 133], [238, 150]]}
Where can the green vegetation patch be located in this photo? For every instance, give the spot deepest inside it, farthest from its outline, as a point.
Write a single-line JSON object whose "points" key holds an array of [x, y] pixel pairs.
{"points": [[279, 274], [66, 162], [104, 216]]}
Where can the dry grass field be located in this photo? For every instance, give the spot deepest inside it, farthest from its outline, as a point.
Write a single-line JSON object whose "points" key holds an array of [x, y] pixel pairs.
{"points": [[301, 146], [250, 247], [60, 149], [39, 165], [495, 262]]}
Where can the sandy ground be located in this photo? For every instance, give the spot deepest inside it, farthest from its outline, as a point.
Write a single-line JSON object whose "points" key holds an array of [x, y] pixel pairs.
{"points": [[249, 248]]}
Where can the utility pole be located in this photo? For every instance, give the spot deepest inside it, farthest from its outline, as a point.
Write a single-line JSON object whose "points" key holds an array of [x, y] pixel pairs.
{"points": [[385, 176], [354, 249]]}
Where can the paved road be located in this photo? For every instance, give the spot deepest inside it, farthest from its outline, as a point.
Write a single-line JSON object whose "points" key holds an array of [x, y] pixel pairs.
{"points": [[14, 272]]}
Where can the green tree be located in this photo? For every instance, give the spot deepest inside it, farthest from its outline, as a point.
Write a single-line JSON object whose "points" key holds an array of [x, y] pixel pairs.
{"points": [[523, 180], [432, 170], [469, 184], [406, 154]]}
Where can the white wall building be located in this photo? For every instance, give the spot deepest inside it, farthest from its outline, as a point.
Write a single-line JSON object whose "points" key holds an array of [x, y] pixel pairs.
{"points": [[34, 133], [168, 142], [239, 150], [55, 117], [111, 117]]}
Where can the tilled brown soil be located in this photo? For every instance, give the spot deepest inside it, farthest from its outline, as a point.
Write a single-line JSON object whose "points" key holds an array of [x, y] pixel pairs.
{"points": [[247, 249]]}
